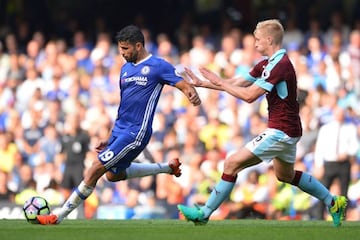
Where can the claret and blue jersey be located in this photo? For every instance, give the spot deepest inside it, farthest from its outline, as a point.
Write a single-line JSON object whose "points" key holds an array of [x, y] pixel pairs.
{"points": [[277, 76]]}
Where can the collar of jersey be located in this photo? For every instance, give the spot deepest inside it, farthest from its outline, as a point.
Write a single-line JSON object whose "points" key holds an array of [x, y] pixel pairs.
{"points": [[143, 60], [277, 53]]}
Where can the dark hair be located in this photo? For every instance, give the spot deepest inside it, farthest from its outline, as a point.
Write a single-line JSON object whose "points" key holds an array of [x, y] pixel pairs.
{"points": [[131, 34]]}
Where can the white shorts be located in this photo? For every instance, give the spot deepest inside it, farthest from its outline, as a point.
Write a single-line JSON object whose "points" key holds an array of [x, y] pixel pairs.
{"points": [[274, 143]]}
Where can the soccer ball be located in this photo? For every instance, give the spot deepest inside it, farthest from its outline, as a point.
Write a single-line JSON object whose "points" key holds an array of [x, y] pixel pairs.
{"points": [[35, 206]]}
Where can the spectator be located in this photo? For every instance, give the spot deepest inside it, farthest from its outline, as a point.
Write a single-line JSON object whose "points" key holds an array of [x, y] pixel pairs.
{"points": [[27, 88], [7, 100], [293, 36], [33, 130], [353, 53], [49, 65], [81, 51], [199, 53], [9, 153], [166, 49], [11, 44], [23, 178], [314, 30], [337, 26], [5, 193], [33, 52], [52, 193], [49, 143], [335, 149], [315, 54], [214, 134], [150, 45], [4, 64], [230, 53], [27, 192]]}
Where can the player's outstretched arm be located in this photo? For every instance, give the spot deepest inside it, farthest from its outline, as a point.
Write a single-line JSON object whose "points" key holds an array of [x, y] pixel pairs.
{"points": [[213, 80], [216, 80], [241, 89], [197, 82]]}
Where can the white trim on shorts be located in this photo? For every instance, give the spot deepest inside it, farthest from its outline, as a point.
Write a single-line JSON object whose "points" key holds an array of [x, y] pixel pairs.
{"points": [[274, 143]]}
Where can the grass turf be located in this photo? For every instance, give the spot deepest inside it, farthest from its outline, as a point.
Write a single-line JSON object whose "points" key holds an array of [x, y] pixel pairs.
{"points": [[178, 229]]}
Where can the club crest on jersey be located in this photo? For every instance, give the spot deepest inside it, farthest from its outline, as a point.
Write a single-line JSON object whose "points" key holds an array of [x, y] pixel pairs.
{"points": [[145, 70], [265, 74], [177, 73]]}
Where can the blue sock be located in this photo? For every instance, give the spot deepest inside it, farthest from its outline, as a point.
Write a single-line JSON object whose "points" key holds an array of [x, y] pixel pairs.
{"points": [[220, 192], [312, 186]]}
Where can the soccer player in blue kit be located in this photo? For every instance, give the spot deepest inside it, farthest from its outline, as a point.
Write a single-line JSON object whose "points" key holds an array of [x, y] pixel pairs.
{"points": [[142, 79], [274, 76]]}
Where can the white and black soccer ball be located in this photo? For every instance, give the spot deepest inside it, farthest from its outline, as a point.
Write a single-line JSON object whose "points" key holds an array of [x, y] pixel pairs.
{"points": [[35, 206]]}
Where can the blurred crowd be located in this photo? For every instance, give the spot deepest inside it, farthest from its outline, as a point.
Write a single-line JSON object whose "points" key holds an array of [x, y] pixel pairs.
{"points": [[57, 99]]}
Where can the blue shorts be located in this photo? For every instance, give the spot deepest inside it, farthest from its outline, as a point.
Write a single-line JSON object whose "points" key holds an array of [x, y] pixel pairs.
{"points": [[121, 150], [274, 143]]}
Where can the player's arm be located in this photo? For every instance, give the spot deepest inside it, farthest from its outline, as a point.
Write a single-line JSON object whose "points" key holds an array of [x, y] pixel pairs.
{"points": [[236, 81], [196, 81], [248, 94], [241, 82], [244, 90], [189, 91]]}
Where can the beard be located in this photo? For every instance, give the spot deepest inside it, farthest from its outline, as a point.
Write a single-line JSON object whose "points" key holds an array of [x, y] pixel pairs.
{"points": [[132, 58]]}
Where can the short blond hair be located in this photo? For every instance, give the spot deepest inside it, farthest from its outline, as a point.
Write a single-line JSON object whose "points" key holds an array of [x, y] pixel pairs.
{"points": [[272, 27]]}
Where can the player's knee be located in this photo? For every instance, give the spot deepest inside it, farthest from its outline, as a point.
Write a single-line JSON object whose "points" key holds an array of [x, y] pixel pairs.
{"points": [[230, 166], [284, 178], [111, 177]]}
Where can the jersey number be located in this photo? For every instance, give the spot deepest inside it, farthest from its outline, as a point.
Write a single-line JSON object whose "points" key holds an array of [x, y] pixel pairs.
{"points": [[106, 156], [258, 139]]}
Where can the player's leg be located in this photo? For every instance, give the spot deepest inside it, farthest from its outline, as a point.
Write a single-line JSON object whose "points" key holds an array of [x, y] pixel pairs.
{"points": [[122, 150], [145, 169], [116, 171], [329, 176], [285, 172], [136, 170], [336, 204], [114, 161], [253, 153], [82, 192], [233, 164]]}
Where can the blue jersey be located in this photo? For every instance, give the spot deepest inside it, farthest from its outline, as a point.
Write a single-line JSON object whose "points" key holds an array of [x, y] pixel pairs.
{"points": [[140, 88]]}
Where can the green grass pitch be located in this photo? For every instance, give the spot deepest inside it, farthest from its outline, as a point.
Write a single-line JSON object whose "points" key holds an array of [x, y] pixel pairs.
{"points": [[179, 229]]}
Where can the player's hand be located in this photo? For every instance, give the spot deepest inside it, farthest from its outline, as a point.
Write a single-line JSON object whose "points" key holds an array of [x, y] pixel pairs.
{"points": [[195, 80], [194, 98], [100, 146], [211, 76]]}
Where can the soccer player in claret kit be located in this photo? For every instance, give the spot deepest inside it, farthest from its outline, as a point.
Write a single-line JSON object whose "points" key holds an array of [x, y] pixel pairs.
{"points": [[141, 81], [274, 76]]}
